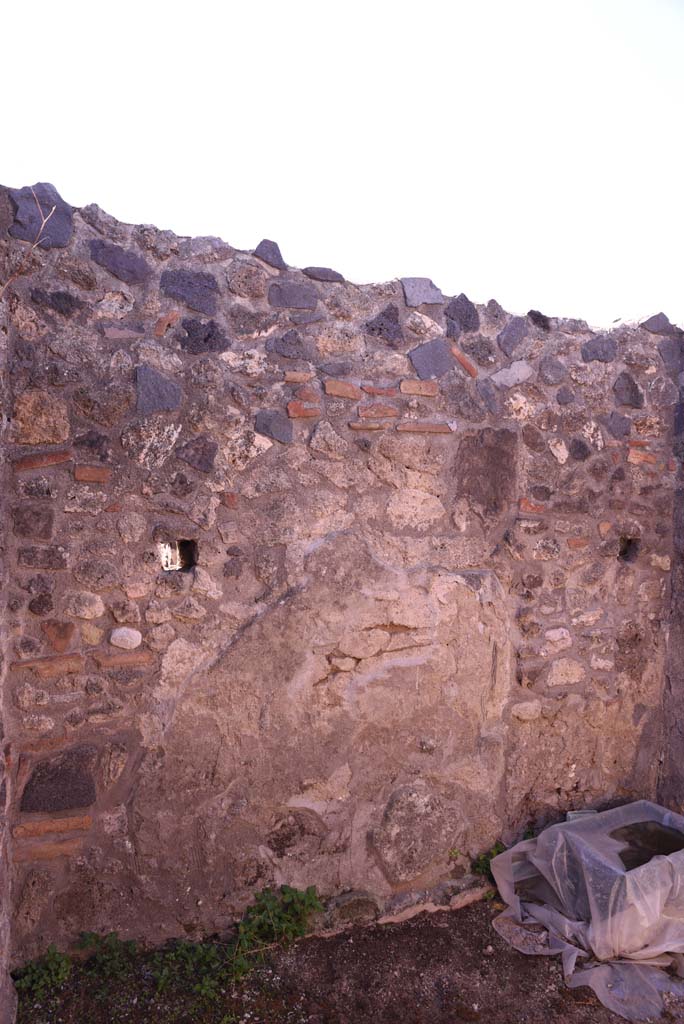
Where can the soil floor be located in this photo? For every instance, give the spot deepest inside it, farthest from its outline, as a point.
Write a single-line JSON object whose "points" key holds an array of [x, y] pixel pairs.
{"points": [[440, 968]]}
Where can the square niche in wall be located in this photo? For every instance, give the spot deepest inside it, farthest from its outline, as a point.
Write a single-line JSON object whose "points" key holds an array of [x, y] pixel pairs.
{"points": [[178, 555]]}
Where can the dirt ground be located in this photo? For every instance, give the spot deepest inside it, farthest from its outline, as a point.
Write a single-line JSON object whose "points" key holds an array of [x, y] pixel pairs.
{"points": [[440, 968]]}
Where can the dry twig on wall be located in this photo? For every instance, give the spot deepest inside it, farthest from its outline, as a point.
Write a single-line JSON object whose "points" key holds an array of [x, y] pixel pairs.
{"points": [[24, 263]]}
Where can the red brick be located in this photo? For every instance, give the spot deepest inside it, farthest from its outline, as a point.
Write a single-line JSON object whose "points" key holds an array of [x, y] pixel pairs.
{"points": [[50, 826], [469, 367], [371, 389], [230, 499], [46, 851], [426, 388], [423, 427], [92, 474], [634, 443], [164, 322], [637, 457], [42, 460], [378, 411], [343, 389], [526, 505], [577, 543], [124, 659], [54, 665], [298, 410], [307, 394], [367, 425]]}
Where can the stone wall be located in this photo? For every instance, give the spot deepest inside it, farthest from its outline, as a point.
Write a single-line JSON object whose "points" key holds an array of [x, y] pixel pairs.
{"points": [[423, 594]]}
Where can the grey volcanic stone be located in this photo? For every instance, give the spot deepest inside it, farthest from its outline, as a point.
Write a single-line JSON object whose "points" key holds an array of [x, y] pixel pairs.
{"points": [[485, 470], [533, 438], [386, 324], [274, 424], [461, 315], [291, 295], [199, 453], [618, 425], [432, 359], [269, 252], [30, 521], [60, 302], [61, 783], [565, 395], [463, 400], [659, 324], [513, 333], [197, 337], [670, 349], [195, 288], [489, 395], [156, 393], [58, 229], [516, 373], [125, 264], [51, 557], [289, 346], [602, 349], [539, 319], [551, 370], [480, 349], [420, 290], [322, 274], [579, 449], [627, 391], [307, 317], [41, 605]]}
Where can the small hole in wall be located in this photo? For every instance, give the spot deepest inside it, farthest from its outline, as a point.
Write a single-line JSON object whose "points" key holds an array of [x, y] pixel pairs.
{"points": [[629, 549], [178, 555]]}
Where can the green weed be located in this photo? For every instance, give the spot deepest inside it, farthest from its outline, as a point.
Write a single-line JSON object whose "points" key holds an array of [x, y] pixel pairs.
{"points": [[482, 865], [41, 979]]}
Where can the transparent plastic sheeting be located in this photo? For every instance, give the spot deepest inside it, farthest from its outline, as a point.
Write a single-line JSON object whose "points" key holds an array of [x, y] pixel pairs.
{"points": [[606, 891]]}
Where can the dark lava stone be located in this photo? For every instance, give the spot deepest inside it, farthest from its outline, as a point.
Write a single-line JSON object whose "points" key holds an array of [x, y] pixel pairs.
{"points": [[579, 449], [199, 453], [61, 783], [289, 346], [322, 274], [197, 336], [539, 319], [291, 295], [551, 370], [386, 324], [462, 312], [627, 391], [513, 333], [432, 359], [618, 425], [196, 288], [27, 216], [155, 392], [63, 303], [274, 424], [602, 349], [269, 252], [125, 264]]}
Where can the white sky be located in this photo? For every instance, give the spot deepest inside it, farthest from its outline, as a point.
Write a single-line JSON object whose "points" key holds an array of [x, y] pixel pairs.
{"points": [[526, 150]]}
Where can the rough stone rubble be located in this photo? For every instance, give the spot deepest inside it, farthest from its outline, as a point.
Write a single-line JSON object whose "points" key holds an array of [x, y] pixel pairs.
{"points": [[424, 587]]}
